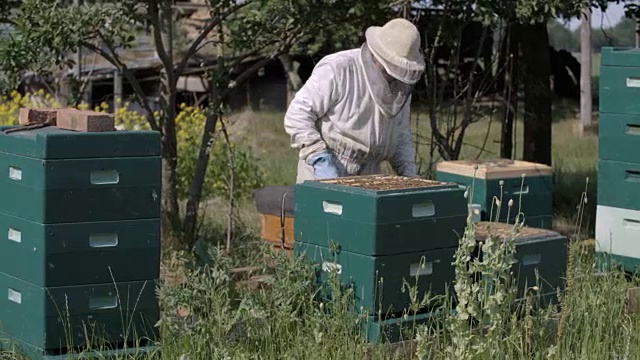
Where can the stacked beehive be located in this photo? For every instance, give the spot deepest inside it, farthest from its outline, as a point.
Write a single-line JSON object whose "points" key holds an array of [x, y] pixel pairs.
{"points": [[541, 259], [532, 197], [80, 213], [376, 232], [618, 210]]}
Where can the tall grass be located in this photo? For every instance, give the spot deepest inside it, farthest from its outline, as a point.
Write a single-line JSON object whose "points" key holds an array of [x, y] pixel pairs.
{"points": [[207, 314]]}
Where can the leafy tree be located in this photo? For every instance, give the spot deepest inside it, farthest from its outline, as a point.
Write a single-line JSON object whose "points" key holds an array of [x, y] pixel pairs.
{"points": [[46, 32]]}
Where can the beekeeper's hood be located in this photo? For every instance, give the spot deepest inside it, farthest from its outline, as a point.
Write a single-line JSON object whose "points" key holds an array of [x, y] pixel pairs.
{"points": [[393, 49]]}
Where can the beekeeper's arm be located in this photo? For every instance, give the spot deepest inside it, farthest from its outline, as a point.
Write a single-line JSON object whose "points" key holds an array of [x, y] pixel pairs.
{"points": [[403, 160], [319, 93]]}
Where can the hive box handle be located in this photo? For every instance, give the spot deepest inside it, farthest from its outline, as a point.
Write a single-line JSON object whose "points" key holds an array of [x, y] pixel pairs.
{"points": [[14, 296], [520, 190], [103, 302], [633, 129], [631, 224], [421, 269], [632, 175], [332, 207], [425, 209], [15, 173], [531, 259], [103, 240], [104, 177], [14, 235], [633, 82]]}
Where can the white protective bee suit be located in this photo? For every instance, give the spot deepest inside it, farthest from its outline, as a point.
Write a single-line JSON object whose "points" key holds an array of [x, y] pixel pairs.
{"points": [[355, 106]]}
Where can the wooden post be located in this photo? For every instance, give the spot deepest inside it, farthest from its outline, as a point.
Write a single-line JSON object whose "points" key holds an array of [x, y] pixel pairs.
{"points": [[117, 90], [78, 67], [585, 72]]}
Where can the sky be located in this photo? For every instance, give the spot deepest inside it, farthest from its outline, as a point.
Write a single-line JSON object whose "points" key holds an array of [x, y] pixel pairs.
{"points": [[611, 17]]}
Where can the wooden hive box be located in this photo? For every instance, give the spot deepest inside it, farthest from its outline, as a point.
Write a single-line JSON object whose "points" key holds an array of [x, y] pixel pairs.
{"points": [[275, 206], [533, 198]]}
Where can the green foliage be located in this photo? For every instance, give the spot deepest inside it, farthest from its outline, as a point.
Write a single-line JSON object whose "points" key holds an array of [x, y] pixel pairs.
{"points": [[622, 34], [305, 26], [45, 32], [247, 174]]}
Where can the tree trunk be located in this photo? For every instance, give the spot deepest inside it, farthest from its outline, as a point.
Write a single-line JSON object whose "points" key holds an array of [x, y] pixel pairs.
{"points": [[170, 209], [509, 57], [536, 78], [168, 94], [294, 82], [195, 189]]}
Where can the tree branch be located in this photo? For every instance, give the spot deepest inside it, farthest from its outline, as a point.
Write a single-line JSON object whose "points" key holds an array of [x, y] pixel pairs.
{"points": [[117, 62], [154, 18], [194, 47], [245, 75]]}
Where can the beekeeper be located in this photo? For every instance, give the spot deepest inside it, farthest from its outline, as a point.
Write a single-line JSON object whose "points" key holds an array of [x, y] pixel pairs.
{"points": [[353, 112]]}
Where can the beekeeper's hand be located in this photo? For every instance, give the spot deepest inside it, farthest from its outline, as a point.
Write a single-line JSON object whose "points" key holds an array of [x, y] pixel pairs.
{"points": [[324, 165]]}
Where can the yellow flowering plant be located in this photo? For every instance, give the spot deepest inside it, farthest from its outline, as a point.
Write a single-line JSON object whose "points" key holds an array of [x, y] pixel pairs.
{"points": [[189, 126]]}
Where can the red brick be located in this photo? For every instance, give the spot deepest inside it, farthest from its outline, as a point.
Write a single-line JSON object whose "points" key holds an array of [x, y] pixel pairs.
{"points": [[37, 116], [85, 121]]}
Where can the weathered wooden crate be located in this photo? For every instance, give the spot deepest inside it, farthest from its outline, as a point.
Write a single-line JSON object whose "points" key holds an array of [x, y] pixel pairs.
{"points": [[275, 206]]}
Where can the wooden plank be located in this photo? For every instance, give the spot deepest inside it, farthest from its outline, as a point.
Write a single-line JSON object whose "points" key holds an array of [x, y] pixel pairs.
{"points": [[493, 169], [271, 229], [633, 300], [244, 272], [258, 282]]}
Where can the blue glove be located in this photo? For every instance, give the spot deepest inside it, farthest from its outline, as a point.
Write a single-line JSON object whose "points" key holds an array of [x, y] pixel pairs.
{"points": [[324, 166]]}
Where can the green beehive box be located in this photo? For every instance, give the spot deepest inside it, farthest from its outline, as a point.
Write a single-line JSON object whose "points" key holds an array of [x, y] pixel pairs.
{"points": [[619, 137], [533, 198], [52, 143], [379, 215], [541, 256], [49, 255], [620, 80], [100, 351], [67, 191], [56, 318], [392, 329], [619, 184], [57, 176], [377, 281]]}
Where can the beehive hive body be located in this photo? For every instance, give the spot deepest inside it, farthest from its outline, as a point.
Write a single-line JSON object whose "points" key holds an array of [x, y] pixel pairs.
{"points": [[53, 254], [380, 231], [531, 195], [541, 256], [378, 281], [617, 236], [44, 317], [81, 214], [379, 215], [618, 200]]}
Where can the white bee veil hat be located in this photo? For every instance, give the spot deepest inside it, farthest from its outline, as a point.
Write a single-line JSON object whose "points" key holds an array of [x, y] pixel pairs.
{"points": [[396, 45]]}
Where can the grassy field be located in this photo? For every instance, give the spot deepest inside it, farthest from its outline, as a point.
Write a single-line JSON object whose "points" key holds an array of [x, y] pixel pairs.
{"points": [[208, 314]]}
